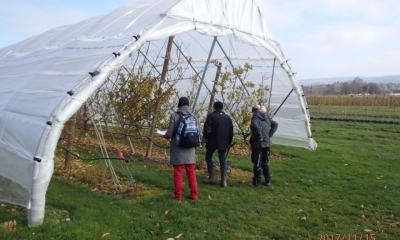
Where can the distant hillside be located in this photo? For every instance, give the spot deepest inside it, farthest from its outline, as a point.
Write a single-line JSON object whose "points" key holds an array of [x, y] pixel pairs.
{"points": [[383, 79]]}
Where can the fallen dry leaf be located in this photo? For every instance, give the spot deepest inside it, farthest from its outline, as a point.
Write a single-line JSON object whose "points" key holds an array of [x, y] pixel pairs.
{"points": [[132, 222], [393, 224], [303, 218], [167, 231], [10, 225], [367, 230], [336, 225], [2, 205], [179, 235], [166, 212], [209, 197], [105, 234], [152, 233], [170, 238], [364, 218]]}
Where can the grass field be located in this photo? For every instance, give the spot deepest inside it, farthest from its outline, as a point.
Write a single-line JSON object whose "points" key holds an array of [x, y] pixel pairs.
{"points": [[366, 108], [378, 114], [348, 188]]}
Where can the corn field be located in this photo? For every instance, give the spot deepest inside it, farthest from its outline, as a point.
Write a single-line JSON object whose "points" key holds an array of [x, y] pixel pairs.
{"points": [[365, 108]]}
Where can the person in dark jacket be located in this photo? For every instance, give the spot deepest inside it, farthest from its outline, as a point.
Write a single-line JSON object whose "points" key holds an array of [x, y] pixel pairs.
{"points": [[218, 133], [181, 158], [262, 129]]}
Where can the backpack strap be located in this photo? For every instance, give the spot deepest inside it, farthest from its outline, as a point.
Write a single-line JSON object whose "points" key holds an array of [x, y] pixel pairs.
{"points": [[176, 126]]}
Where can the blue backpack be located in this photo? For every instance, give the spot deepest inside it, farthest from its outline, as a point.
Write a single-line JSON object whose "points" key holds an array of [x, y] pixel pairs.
{"points": [[187, 134]]}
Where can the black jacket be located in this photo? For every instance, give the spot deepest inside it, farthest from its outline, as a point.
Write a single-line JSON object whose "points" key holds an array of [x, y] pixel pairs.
{"points": [[218, 130], [262, 129]]}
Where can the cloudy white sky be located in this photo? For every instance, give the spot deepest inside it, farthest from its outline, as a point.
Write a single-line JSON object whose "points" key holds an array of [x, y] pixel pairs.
{"points": [[329, 38]]}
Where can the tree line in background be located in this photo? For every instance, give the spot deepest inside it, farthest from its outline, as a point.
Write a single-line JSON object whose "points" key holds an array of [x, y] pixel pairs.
{"points": [[357, 86], [354, 100]]}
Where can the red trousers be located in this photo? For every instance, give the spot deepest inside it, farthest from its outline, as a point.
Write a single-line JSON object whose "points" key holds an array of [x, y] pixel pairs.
{"points": [[178, 180]]}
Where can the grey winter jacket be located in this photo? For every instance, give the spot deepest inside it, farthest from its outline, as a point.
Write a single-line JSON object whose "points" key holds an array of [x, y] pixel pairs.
{"points": [[262, 129], [179, 155]]}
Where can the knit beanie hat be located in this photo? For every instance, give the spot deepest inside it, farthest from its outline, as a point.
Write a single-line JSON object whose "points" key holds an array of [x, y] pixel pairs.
{"points": [[183, 101], [218, 105]]}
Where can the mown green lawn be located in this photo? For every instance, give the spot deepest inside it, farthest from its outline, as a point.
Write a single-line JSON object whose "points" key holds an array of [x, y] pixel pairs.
{"points": [[348, 188]]}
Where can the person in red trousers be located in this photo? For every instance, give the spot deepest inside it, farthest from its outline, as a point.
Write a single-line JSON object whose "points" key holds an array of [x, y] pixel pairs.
{"points": [[181, 158]]}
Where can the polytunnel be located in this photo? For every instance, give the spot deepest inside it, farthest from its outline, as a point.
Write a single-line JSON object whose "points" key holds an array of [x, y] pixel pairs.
{"points": [[45, 79]]}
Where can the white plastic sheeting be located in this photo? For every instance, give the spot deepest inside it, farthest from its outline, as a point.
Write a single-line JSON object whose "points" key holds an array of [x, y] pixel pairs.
{"points": [[44, 80]]}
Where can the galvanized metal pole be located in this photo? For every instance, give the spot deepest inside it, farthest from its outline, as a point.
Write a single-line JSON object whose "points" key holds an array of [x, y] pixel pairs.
{"points": [[272, 81], [190, 64], [284, 100], [204, 74], [229, 60]]}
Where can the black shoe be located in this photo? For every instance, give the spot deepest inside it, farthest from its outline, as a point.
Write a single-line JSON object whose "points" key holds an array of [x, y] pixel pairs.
{"points": [[253, 184]]}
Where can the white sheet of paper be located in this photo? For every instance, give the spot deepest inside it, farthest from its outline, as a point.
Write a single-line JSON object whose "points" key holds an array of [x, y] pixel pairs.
{"points": [[161, 132]]}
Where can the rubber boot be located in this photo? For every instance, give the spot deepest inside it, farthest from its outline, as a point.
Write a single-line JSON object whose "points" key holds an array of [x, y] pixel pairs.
{"points": [[223, 178], [211, 175]]}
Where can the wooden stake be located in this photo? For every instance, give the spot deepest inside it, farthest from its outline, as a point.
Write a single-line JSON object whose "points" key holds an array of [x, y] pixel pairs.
{"points": [[159, 96], [214, 89], [70, 141]]}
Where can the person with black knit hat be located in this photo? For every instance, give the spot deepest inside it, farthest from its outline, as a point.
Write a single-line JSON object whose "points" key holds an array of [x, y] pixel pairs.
{"points": [[218, 133], [183, 101], [182, 157]]}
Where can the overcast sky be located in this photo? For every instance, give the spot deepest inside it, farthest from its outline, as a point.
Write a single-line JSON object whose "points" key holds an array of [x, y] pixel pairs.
{"points": [[322, 38]]}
